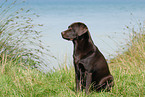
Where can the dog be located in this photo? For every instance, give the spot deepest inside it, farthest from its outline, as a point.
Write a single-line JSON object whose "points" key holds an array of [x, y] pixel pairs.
{"points": [[91, 68]]}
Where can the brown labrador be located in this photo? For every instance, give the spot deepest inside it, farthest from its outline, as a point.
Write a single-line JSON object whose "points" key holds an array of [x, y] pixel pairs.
{"points": [[91, 68]]}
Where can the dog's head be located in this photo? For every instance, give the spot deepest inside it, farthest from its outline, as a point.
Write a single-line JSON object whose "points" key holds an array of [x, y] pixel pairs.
{"points": [[74, 31]]}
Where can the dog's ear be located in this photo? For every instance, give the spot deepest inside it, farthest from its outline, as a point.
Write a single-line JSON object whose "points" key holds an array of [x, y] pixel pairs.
{"points": [[82, 30]]}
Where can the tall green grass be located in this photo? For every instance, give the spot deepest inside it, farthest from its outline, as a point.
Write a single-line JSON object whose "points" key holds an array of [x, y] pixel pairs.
{"points": [[18, 37], [128, 68]]}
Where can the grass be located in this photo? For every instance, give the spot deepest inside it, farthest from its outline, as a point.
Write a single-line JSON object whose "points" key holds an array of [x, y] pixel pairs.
{"points": [[127, 68]]}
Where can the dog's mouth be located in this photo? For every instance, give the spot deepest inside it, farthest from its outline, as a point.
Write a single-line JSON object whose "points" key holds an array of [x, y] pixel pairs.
{"points": [[67, 38]]}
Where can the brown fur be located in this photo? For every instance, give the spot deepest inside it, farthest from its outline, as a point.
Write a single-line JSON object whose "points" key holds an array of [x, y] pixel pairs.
{"points": [[91, 68]]}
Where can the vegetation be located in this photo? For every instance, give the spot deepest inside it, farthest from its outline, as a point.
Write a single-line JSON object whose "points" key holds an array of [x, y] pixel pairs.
{"points": [[128, 68], [19, 79], [18, 37]]}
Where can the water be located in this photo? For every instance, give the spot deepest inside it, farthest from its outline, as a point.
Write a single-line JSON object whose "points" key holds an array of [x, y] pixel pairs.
{"points": [[106, 21]]}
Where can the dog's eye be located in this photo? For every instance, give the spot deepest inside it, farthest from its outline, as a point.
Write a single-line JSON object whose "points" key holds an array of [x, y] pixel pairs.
{"points": [[70, 28]]}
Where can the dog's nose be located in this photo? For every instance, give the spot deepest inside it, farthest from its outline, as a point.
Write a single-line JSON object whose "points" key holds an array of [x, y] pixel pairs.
{"points": [[62, 33]]}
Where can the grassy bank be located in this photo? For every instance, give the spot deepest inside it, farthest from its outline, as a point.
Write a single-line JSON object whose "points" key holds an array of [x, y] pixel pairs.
{"points": [[127, 68]]}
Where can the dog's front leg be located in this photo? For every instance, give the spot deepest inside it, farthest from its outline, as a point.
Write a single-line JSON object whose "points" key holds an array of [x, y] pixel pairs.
{"points": [[88, 81], [77, 76], [77, 81]]}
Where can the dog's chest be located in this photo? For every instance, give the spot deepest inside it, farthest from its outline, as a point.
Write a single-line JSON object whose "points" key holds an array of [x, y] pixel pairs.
{"points": [[81, 59], [76, 58]]}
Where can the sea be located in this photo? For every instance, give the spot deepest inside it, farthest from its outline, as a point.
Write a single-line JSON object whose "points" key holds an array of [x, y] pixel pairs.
{"points": [[107, 20]]}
